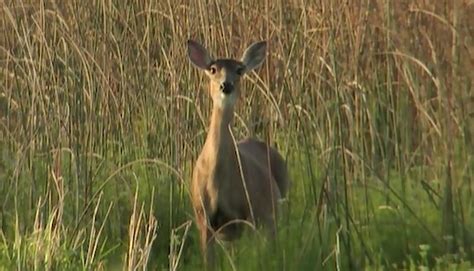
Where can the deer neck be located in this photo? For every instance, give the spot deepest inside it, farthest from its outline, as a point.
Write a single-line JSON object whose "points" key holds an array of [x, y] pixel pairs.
{"points": [[219, 146]]}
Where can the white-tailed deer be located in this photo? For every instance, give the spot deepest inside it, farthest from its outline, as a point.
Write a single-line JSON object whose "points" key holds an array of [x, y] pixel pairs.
{"points": [[233, 182]]}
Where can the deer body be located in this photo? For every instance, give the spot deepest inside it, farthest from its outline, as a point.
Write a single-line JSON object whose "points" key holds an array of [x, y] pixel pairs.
{"points": [[233, 182]]}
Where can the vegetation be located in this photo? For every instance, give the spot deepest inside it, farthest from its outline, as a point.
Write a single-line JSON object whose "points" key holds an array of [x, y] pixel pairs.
{"points": [[102, 116]]}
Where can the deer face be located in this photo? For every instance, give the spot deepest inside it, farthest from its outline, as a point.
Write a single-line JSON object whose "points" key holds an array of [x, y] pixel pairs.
{"points": [[225, 74]]}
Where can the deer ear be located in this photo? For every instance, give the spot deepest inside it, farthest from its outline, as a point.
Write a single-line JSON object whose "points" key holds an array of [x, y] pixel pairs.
{"points": [[254, 55], [198, 55]]}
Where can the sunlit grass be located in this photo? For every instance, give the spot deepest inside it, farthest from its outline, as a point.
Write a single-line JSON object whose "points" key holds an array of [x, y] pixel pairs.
{"points": [[102, 118]]}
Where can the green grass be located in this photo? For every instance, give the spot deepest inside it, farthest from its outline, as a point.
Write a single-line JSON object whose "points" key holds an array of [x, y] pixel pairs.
{"points": [[102, 118]]}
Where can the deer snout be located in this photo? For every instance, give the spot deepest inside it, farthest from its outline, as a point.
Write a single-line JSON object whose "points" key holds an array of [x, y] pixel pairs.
{"points": [[227, 87]]}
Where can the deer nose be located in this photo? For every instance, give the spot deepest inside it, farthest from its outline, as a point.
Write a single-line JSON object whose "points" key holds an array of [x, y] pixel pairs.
{"points": [[227, 87]]}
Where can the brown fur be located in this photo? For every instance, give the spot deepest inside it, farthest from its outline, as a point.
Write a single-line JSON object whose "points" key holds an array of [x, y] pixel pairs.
{"points": [[231, 185]]}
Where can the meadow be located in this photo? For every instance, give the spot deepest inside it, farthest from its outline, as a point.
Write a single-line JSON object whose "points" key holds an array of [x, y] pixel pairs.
{"points": [[102, 117]]}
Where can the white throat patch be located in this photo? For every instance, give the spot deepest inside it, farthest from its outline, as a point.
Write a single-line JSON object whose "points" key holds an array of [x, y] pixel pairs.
{"points": [[225, 100]]}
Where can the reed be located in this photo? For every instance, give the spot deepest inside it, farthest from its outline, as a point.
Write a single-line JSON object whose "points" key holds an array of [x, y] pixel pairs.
{"points": [[102, 116]]}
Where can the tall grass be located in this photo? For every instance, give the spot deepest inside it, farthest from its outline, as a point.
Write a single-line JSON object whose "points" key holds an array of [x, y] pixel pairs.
{"points": [[102, 116]]}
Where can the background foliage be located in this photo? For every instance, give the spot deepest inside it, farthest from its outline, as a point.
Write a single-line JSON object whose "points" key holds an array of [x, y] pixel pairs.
{"points": [[102, 116]]}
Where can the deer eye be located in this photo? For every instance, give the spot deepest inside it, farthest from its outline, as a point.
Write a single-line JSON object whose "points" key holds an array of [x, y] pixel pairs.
{"points": [[212, 70], [240, 70]]}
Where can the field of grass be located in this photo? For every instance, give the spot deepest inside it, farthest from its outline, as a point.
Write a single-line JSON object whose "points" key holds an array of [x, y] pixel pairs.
{"points": [[102, 117]]}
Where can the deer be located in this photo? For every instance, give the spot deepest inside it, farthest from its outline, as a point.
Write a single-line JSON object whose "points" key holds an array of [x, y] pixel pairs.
{"points": [[233, 183]]}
